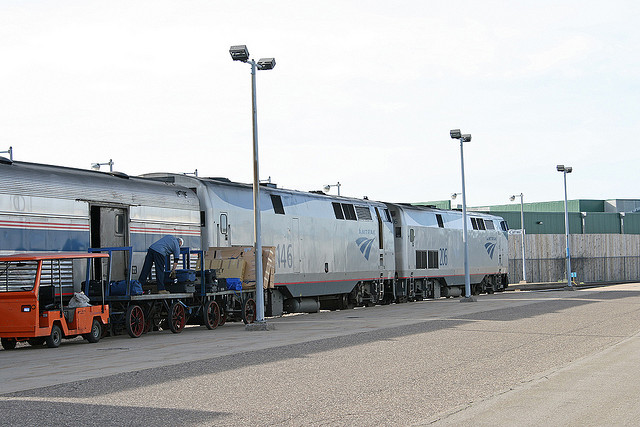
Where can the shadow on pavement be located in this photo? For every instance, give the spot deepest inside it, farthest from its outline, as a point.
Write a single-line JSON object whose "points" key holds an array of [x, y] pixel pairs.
{"points": [[38, 413]]}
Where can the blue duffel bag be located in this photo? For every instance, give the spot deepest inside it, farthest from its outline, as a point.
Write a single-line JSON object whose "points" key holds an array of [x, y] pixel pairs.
{"points": [[119, 288]]}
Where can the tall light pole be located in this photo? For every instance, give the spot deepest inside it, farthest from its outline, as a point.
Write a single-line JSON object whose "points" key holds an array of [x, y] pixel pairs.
{"points": [[524, 268], [456, 134], [565, 170], [241, 53]]}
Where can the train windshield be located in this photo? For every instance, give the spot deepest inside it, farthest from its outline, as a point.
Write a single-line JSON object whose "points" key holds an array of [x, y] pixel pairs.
{"points": [[18, 276]]}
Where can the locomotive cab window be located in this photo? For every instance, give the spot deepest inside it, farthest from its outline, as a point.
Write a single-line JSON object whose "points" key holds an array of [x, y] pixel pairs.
{"points": [[439, 219], [489, 224], [337, 210], [276, 201], [481, 224], [474, 223], [349, 212]]}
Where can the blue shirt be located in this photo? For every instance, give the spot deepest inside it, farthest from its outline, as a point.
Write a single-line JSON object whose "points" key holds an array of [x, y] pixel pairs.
{"points": [[167, 245]]}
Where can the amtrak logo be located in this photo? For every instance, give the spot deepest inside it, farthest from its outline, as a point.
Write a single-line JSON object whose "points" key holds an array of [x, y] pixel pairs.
{"points": [[490, 247], [365, 246]]}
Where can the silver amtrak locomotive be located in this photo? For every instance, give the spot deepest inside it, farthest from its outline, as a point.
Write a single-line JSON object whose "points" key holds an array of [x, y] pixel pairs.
{"points": [[331, 252], [430, 252]]}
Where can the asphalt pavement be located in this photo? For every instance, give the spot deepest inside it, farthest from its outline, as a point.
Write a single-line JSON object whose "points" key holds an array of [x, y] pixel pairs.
{"points": [[515, 358]]}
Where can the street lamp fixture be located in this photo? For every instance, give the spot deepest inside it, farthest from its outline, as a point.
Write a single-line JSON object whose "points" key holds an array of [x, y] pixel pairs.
{"points": [[96, 166], [524, 269], [565, 170], [328, 187], [456, 134], [241, 53], [9, 152]]}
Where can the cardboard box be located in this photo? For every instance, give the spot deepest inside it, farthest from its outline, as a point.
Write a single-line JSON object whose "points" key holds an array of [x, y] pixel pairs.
{"points": [[215, 258], [226, 268]]}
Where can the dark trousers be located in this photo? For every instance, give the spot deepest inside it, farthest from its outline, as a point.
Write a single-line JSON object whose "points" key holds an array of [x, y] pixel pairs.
{"points": [[158, 259]]}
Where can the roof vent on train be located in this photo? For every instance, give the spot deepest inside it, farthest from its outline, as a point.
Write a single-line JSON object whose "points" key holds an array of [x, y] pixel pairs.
{"points": [[119, 175], [5, 161], [219, 178]]}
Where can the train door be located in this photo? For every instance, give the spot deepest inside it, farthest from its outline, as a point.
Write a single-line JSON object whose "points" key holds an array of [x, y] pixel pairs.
{"points": [[109, 228], [224, 230]]}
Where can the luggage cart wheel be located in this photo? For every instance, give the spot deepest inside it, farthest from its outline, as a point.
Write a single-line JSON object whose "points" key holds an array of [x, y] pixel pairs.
{"points": [[176, 318], [134, 321], [249, 311], [211, 312]]}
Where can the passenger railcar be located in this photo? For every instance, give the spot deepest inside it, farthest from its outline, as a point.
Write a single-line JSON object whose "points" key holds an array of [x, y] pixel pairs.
{"points": [[53, 208]]}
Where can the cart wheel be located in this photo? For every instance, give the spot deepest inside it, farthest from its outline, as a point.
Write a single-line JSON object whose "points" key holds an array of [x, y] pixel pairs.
{"points": [[8, 343], [96, 332], [223, 315], [176, 317], [211, 314], [134, 321], [34, 342], [55, 338], [249, 311]]}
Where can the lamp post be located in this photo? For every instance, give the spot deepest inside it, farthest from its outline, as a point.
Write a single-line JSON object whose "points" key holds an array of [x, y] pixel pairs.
{"points": [[565, 170], [96, 166], [524, 269], [456, 134], [241, 53], [328, 187]]}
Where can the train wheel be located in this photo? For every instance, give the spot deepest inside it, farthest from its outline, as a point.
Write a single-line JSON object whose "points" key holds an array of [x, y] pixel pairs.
{"points": [[249, 311], [96, 332], [134, 321], [55, 338], [211, 314], [177, 318], [8, 343]]}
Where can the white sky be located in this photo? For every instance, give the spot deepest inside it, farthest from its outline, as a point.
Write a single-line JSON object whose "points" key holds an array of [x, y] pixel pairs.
{"points": [[364, 92]]}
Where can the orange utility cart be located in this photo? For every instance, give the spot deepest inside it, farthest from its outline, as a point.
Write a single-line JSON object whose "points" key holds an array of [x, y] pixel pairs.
{"points": [[35, 291]]}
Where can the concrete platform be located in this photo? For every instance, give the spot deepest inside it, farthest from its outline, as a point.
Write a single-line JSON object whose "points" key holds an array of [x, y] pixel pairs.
{"points": [[516, 358]]}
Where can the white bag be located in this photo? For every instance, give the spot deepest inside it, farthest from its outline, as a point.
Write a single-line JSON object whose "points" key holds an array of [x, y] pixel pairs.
{"points": [[79, 300]]}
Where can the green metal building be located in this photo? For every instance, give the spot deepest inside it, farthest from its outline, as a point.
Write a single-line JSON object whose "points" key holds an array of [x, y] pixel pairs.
{"points": [[616, 216]]}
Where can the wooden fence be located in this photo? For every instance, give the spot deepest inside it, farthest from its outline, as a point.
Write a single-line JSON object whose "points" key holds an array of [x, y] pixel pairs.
{"points": [[594, 257]]}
